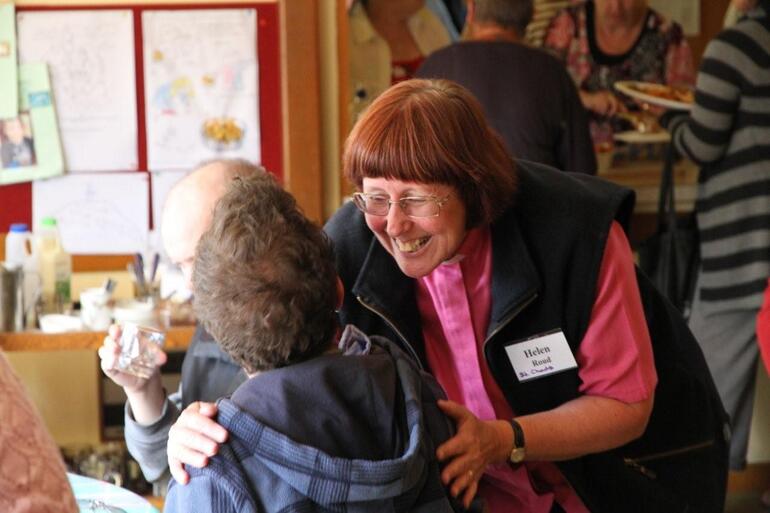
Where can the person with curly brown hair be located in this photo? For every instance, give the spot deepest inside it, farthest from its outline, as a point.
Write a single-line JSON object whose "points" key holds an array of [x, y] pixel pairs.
{"points": [[326, 421], [207, 372]]}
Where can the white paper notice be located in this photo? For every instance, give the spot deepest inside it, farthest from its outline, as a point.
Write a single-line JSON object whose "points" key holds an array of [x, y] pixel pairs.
{"points": [[96, 213], [90, 55], [201, 86], [162, 182]]}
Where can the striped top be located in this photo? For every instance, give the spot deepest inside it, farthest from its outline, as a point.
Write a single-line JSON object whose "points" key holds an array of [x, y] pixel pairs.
{"points": [[728, 135]]}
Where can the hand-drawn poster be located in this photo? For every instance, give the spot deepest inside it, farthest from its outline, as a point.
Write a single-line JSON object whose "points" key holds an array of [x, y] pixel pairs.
{"points": [[91, 59], [201, 86], [97, 213], [29, 141], [9, 87]]}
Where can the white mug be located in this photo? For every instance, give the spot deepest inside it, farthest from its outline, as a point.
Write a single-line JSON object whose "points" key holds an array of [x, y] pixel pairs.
{"points": [[95, 310]]}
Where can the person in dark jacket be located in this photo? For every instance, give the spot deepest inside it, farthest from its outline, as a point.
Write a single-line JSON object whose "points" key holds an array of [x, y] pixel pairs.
{"points": [[321, 424], [527, 94], [515, 285]]}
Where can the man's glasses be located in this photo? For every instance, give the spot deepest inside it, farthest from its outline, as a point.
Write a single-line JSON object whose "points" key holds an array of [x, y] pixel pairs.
{"points": [[412, 206]]}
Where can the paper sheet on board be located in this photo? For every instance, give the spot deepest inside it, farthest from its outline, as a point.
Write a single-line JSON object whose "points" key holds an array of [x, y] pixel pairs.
{"points": [[30, 148], [97, 213], [91, 59], [9, 88], [201, 86]]}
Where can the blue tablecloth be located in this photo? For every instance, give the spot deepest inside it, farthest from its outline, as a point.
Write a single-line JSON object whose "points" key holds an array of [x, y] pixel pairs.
{"points": [[87, 489]]}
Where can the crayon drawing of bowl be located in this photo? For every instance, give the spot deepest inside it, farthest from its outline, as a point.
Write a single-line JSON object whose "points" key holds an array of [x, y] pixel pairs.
{"points": [[222, 134]]}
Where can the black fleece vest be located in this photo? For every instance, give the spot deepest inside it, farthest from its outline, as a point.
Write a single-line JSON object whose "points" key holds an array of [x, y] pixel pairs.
{"points": [[547, 251]]}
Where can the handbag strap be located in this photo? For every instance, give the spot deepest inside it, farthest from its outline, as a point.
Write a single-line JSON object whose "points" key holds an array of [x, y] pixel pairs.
{"points": [[666, 198]]}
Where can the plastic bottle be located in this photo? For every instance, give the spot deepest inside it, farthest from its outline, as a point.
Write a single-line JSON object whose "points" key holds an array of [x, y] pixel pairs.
{"points": [[20, 250], [55, 267], [18, 244]]}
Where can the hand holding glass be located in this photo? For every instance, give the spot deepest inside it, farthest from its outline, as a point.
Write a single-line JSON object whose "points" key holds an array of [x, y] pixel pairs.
{"points": [[139, 349]]}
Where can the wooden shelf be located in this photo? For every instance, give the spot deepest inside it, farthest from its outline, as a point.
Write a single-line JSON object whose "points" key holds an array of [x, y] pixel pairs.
{"points": [[177, 338]]}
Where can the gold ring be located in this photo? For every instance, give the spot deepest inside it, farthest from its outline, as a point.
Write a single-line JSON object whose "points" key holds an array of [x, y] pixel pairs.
{"points": [[470, 474]]}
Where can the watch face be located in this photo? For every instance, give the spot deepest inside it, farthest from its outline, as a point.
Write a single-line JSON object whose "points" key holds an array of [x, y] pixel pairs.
{"points": [[518, 454]]}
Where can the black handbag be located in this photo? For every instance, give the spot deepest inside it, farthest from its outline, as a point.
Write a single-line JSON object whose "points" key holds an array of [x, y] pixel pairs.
{"points": [[670, 258]]}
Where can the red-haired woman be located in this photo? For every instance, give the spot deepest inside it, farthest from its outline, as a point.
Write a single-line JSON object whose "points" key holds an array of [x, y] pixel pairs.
{"points": [[514, 285]]}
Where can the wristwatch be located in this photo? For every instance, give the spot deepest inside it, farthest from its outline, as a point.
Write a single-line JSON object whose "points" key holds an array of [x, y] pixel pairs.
{"points": [[519, 451]]}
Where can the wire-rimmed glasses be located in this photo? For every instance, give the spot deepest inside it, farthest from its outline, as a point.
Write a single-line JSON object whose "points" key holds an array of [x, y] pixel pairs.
{"points": [[412, 206]]}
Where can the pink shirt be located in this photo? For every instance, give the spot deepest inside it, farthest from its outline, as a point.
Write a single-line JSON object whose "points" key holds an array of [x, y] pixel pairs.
{"points": [[450, 319]]}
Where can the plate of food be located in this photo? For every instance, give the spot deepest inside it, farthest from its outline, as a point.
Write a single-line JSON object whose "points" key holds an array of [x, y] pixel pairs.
{"points": [[670, 97], [640, 127], [634, 137]]}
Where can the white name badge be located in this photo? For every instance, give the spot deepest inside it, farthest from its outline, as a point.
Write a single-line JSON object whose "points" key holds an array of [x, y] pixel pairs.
{"points": [[540, 356]]}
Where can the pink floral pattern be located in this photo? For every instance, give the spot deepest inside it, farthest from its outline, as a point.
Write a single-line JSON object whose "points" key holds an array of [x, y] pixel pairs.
{"points": [[661, 55]]}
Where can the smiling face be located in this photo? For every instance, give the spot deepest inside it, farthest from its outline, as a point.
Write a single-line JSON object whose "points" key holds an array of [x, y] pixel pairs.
{"points": [[418, 245], [625, 13]]}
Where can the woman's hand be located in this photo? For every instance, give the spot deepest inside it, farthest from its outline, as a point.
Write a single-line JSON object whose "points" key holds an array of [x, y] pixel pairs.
{"points": [[193, 439], [478, 443], [603, 103]]}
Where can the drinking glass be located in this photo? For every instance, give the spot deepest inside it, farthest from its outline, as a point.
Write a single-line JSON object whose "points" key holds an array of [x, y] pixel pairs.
{"points": [[139, 347]]}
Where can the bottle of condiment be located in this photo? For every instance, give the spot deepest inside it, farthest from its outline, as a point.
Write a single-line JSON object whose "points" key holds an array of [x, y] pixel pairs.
{"points": [[19, 252], [55, 267]]}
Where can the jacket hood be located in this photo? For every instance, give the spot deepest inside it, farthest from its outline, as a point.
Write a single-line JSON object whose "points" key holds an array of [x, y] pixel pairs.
{"points": [[338, 429]]}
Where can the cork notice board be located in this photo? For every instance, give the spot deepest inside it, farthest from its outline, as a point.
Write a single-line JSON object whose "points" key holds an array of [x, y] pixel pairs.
{"points": [[16, 199]]}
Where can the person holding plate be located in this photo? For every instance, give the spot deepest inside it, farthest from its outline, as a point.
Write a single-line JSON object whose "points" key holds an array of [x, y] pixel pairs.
{"points": [[606, 41], [727, 133]]}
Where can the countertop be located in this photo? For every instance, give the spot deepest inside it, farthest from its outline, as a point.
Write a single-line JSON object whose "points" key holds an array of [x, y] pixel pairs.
{"points": [[177, 338]]}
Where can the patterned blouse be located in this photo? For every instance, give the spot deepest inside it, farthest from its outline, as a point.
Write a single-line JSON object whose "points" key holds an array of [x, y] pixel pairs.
{"points": [[660, 54]]}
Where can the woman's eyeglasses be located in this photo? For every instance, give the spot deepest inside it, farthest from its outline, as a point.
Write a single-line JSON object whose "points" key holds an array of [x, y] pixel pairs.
{"points": [[412, 206]]}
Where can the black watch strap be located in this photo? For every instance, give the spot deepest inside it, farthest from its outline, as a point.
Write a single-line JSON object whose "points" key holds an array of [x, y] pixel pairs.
{"points": [[518, 452], [518, 434]]}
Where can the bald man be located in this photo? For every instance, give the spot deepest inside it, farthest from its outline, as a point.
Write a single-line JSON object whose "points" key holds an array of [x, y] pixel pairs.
{"points": [[207, 372]]}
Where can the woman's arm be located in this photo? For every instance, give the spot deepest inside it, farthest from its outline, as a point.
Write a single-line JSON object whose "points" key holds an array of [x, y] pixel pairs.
{"points": [[585, 425], [706, 134], [596, 424], [603, 103], [617, 372], [193, 439]]}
